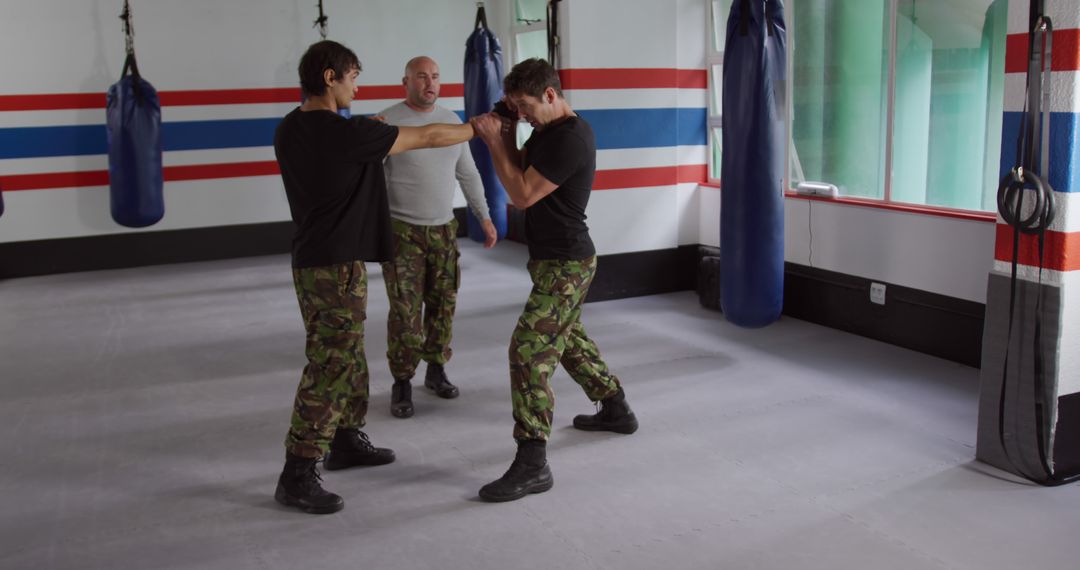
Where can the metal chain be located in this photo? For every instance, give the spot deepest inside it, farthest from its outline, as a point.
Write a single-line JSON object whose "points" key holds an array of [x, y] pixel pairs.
{"points": [[321, 21], [129, 29]]}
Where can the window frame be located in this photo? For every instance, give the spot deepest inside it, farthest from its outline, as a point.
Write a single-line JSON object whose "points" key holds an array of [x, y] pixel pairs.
{"points": [[519, 27], [714, 56]]}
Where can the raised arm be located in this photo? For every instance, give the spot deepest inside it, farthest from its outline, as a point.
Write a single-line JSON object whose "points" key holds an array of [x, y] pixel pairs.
{"points": [[431, 136], [524, 188]]}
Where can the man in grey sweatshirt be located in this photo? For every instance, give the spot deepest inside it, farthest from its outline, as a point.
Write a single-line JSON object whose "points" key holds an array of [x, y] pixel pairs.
{"points": [[423, 277]]}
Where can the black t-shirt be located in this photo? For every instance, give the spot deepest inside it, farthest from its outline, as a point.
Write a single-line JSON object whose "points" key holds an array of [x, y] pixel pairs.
{"points": [[333, 174], [565, 154]]}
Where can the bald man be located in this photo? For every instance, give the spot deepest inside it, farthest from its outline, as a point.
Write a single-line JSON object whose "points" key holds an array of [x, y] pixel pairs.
{"points": [[423, 277]]}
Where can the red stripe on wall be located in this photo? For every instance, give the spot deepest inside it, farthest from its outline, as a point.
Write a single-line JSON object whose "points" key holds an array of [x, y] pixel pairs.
{"points": [[57, 101], [653, 176], [222, 170], [1066, 55], [52, 101], [1061, 251], [633, 78], [229, 96], [54, 180], [598, 78], [605, 179], [170, 174]]}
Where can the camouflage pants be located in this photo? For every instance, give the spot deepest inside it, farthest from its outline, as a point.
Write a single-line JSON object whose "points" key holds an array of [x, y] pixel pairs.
{"points": [[334, 387], [424, 274], [548, 333]]}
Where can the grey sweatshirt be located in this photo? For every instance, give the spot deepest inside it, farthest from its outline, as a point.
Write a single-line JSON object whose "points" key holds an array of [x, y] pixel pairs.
{"points": [[419, 182]]}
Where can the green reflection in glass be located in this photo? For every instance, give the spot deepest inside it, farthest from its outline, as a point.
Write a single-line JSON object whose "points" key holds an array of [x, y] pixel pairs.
{"points": [[840, 72], [948, 104], [531, 44], [530, 11]]}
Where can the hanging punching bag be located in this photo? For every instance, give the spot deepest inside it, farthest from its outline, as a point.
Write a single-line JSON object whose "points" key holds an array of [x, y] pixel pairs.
{"points": [[752, 169], [134, 138], [483, 88]]}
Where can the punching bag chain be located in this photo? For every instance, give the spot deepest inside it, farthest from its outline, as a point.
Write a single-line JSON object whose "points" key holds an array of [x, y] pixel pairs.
{"points": [[321, 21], [129, 29]]}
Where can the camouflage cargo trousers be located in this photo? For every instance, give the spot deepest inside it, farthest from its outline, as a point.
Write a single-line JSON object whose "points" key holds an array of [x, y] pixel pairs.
{"points": [[422, 283], [549, 332], [334, 386]]}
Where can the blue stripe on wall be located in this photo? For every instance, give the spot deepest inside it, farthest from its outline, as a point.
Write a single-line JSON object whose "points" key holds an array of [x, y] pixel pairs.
{"points": [[32, 142], [194, 135], [1064, 149], [643, 128], [614, 128]]}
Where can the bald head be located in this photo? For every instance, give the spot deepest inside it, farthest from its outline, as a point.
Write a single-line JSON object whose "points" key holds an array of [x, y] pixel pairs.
{"points": [[421, 83]]}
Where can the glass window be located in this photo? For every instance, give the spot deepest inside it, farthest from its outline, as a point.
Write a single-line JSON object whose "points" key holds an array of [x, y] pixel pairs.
{"points": [[839, 71], [529, 31], [530, 44], [720, 10], [718, 16], [948, 102], [924, 82], [529, 11]]}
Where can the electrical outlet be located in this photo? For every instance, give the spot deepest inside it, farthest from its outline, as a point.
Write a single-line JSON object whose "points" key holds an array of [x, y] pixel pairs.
{"points": [[877, 293]]}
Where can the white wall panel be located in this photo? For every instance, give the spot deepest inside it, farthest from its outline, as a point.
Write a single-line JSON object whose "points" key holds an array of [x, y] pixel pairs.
{"points": [[634, 219], [77, 47], [79, 212], [623, 33]]}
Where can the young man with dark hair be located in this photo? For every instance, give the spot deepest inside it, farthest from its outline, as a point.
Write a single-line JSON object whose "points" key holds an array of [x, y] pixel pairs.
{"points": [[332, 169], [551, 179]]}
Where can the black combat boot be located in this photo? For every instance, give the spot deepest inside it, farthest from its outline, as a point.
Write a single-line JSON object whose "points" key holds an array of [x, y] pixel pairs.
{"points": [[529, 473], [401, 399], [613, 414], [300, 486], [351, 448], [436, 380]]}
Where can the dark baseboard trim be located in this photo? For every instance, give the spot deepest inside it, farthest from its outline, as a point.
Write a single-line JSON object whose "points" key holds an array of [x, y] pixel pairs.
{"points": [[117, 251], [1067, 437], [926, 322], [930, 323], [640, 273], [462, 222]]}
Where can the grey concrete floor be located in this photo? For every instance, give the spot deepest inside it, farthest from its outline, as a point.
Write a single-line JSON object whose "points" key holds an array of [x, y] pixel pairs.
{"points": [[144, 413]]}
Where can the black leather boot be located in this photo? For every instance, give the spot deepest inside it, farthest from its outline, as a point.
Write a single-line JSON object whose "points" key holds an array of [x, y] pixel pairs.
{"points": [[300, 486], [613, 414], [352, 448], [401, 399], [435, 379], [529, 473]]}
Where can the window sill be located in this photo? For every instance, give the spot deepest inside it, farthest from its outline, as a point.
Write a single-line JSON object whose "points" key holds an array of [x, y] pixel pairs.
{"points": [[954, 213]]}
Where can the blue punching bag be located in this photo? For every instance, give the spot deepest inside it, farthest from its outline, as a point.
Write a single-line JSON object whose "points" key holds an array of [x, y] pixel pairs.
{"points": [[483, 88], [134, 137], [752, 169]]}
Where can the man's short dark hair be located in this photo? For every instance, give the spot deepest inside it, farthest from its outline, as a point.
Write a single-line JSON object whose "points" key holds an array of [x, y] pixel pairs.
{"points": [[318, 58], [532, 77]]}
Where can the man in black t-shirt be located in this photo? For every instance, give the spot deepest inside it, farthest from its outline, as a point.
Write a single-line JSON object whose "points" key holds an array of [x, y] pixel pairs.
{"points": [[333, 175], [551, 179]]}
